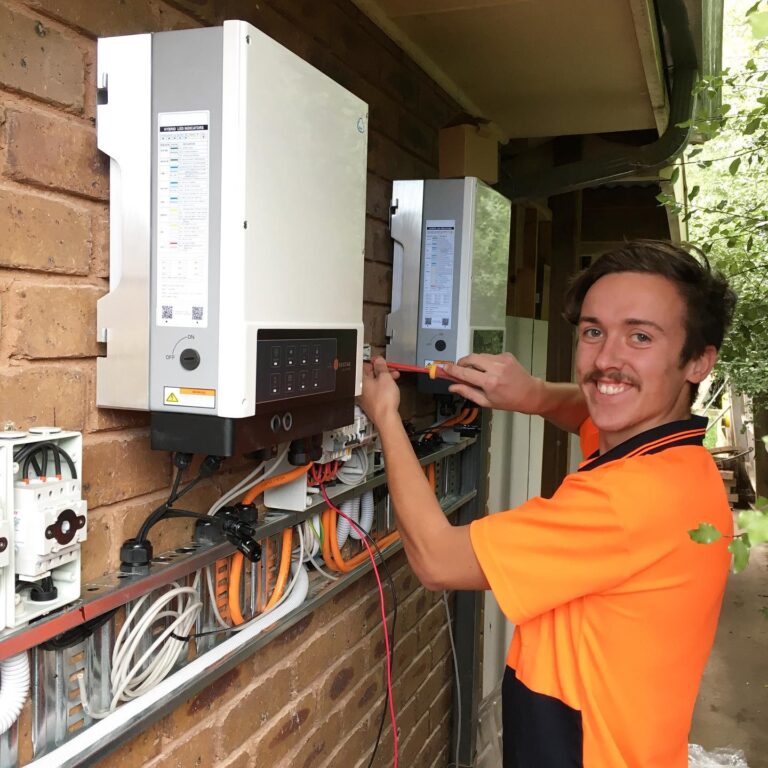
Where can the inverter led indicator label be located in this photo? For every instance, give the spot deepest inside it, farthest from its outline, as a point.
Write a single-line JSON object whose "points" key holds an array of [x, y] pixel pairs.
{"points": [[437, 290], [183, 212]]}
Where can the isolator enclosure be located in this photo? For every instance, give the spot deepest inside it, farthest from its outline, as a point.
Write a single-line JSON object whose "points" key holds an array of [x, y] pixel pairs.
{"points": [[43, 522], [449, 277], [237, 214]]}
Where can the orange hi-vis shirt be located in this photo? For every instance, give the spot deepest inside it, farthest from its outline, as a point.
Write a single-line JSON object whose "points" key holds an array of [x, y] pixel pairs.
{"points": [[615, 606]]}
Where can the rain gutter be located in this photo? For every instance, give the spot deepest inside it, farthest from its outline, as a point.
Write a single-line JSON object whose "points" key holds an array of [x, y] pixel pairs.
{"points": [[629, 161]]}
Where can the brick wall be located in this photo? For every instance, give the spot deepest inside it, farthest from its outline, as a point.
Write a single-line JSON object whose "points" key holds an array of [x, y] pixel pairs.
{"points": [[312, 698]]}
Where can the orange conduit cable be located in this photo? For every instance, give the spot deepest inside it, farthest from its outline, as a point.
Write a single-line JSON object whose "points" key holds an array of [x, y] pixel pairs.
{"points": [[286, 477], [327, 554], [345, 566], [284, 570], [236, 572]]}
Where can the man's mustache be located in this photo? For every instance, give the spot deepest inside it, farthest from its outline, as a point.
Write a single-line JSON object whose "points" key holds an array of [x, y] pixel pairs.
{"points": [[614, 376]]}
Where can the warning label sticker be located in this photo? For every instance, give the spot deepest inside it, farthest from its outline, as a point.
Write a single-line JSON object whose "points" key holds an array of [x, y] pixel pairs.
{"points": [[189, 397]]}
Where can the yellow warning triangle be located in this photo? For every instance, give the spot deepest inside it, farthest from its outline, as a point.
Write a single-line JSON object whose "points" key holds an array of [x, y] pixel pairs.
{"points": [[172, 398]]}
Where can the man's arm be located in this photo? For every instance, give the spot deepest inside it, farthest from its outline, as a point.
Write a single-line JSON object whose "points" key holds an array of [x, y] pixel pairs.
{"points": [[440, 554], [499, 381]]}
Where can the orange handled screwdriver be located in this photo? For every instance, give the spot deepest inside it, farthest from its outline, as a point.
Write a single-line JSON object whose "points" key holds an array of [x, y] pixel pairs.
{"points": [[434, 371]]}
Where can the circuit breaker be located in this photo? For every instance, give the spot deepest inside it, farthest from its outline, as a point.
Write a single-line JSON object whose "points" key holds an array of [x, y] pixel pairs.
{"points": [[237, 216], [449, 276], [44, 518]]}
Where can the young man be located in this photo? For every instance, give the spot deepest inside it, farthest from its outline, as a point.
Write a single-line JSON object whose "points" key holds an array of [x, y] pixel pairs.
{"points": [[615, 606]]}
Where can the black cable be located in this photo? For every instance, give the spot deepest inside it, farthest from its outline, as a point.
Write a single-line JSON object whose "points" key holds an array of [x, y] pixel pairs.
{"points": [[210, 465], [156, 514], [77, 634], [28, 455], [38, 469]]}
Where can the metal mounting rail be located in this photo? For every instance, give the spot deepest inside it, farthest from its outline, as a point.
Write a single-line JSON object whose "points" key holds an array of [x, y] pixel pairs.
{"points": [[140, 719], [112, 591]]}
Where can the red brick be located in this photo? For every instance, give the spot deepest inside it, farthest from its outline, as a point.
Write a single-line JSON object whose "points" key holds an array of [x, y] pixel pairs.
{"points": [[378, 242], [413, 741], [43, 395], [327, 645], [431, 623], [391, 161], [40, 60], [263, 701], [375, 321], [139, 750], [285, 731], [318, 746], [378, 195], [435, 107], [98, 557], [198, 752], [55, 152], [208, 11], [418, 137], [99, 266], [43, 234], [239, 760], [122, 466], [115, 18], [415, 673], [53, 321], [377, 283]]}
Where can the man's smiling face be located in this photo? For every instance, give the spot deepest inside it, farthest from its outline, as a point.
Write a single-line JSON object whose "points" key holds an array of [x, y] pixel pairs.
{"points": [[630, 337]]}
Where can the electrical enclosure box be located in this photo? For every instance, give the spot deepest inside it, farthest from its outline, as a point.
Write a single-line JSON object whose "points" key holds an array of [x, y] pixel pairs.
{"points": [[237, 216], [449, 276], [44, 516]]}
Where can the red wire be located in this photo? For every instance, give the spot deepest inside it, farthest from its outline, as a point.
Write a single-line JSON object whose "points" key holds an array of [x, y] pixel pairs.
{"points": [[362, 535]]}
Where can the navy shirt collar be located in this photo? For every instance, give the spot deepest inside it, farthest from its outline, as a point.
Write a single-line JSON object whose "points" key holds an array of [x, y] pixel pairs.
{"points": [[675, 433]]}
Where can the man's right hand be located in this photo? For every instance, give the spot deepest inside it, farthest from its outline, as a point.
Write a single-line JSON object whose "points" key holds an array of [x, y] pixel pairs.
{"points": [[496, 381]]}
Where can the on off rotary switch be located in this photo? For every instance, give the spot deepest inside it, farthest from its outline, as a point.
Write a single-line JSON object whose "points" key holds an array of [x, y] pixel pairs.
{"points": [[190, 359]]}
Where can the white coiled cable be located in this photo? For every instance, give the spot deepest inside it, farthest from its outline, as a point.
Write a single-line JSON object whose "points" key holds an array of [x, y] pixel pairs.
{"points": [[351, 510], [366, 515], [14, 686], [132, 677]]}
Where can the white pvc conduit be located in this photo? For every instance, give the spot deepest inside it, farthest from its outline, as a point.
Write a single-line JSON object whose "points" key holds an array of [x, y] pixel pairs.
{"points": [[14, 686], [350, 508], [366, 515]]}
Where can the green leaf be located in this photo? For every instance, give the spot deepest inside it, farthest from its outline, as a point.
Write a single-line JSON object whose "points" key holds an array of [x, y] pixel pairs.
{"points": [[740, 551], [759, 23], [676, 173], [752, 126], [694, 191], [753, 8], [734, 166], [761, 502], [695, 151], [706, 533]]}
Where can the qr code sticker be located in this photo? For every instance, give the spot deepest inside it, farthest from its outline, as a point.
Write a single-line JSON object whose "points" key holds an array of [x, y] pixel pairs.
{"points": [[167, 313], [197, 313]]}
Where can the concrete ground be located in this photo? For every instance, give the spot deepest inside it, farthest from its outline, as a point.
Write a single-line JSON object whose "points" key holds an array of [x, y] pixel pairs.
{"points": [[732, 709]]}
